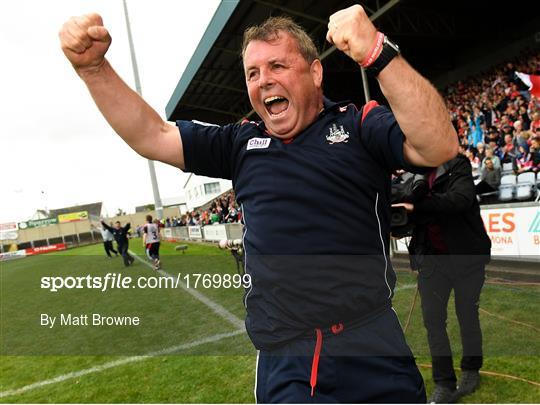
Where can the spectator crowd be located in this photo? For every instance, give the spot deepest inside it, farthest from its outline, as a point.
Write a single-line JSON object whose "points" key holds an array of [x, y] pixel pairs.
{"points": [[222, 210], [498, 121]]}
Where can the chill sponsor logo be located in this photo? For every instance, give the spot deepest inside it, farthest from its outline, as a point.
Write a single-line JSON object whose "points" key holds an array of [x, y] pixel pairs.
{"points": [[258, 143], [337, 135]]}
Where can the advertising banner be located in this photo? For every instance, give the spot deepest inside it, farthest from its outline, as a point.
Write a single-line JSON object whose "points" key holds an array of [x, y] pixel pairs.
{"points": [[73, 217], [12, 255], [215, 232], [45, 249], [9, 235], [167, 233], [194, 232], [513, 231], [8, 226], [37, 223]]}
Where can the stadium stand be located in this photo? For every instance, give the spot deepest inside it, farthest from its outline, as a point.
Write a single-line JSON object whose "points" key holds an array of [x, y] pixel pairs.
{"points": [[222, 210], [498, 116]]}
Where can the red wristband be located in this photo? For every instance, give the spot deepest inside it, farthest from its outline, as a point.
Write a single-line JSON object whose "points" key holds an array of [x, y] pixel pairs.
{"points": [[375, 51]]}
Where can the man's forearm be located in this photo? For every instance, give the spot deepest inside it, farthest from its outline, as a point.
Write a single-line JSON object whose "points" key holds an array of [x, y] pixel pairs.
{"points": [[138, 124], [420, 113]]}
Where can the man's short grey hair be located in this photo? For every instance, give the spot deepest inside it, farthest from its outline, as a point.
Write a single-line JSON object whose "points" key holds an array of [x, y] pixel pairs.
{"points": [[270, 29]]}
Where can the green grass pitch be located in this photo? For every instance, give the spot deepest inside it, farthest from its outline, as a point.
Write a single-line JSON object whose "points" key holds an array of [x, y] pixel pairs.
{"points": [[211, 360]]}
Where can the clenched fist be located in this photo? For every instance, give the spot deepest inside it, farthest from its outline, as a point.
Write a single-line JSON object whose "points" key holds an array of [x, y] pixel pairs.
{"points": [[85, 41], [351, 31]]}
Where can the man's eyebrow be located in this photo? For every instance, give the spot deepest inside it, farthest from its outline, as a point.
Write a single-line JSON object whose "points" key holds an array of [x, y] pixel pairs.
{"points": [[276, 60], [270, 61], [250, 67]]}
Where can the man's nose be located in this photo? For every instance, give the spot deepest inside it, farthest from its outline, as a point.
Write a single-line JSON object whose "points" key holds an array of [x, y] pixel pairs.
{"points": [[265, 78]]}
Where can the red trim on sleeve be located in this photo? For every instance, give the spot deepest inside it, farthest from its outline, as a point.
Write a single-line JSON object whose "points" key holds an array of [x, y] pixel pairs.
{"points": [[367, 108]]}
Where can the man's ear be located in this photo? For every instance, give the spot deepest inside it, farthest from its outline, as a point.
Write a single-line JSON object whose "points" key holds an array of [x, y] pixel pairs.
{"points": [[316, 70]]}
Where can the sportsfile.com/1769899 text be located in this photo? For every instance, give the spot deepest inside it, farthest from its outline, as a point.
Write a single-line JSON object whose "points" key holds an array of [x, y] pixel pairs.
{"points": [[112, 281]]}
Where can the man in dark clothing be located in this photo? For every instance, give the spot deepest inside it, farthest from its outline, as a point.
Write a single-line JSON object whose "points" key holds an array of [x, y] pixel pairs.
{"points": [[490, 178], [121, 237], [298, 175], [450, 248]]}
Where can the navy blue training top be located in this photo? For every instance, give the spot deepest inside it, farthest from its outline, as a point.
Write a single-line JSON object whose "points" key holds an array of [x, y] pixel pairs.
{"points": [[316, 214]]}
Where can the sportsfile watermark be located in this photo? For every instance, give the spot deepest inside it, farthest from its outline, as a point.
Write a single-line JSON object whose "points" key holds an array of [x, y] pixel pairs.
{"points": [[112, 281], [92, 305]]}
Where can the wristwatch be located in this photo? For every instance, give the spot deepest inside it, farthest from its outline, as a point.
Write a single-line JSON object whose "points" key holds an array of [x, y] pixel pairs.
{"points": [[389, 51]]}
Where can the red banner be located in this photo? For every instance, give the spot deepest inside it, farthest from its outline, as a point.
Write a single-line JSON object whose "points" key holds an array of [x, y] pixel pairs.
{"points": [[45, 249]]}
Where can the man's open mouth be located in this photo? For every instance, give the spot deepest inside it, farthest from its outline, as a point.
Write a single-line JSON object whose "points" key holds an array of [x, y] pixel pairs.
{"points": [[276, 105]]}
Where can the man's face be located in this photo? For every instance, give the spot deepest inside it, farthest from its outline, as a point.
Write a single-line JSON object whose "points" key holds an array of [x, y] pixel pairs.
{"points": [[489, 164], [283, 88], [117, 225]]}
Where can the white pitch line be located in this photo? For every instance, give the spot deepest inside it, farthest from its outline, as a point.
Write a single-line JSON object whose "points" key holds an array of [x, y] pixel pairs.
{"points": [[214, 306], [121, 362], [405, 287]]}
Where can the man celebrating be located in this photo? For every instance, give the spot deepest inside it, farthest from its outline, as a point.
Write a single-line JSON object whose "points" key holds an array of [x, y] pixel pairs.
{"points": [[108, 238], [318, 273], [120, 234]]}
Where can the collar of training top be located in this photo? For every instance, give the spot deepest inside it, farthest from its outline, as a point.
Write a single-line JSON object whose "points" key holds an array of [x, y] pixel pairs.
{"points": [[329, 105]]}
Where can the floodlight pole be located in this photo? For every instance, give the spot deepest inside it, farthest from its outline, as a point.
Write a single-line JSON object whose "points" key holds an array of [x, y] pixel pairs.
{"points": [[153, 179]]}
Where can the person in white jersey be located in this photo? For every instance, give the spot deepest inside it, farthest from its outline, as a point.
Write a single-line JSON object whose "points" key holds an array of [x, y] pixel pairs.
{"points": [[151, 238]]}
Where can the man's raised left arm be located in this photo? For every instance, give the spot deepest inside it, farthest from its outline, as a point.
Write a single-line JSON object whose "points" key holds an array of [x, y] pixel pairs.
{"points": [[417, 106]]}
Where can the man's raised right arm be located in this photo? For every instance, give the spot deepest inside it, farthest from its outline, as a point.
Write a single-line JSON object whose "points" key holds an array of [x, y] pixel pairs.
{"points": [[85, 41]]}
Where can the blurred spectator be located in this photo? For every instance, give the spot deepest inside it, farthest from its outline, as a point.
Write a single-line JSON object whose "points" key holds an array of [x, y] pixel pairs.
{"points": [[494, 159], [232, 215], [480, 151], [535, 123], [524, 117], [475, 163], [490, 178], [507, 152], [524, 161], [214, 218]]}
